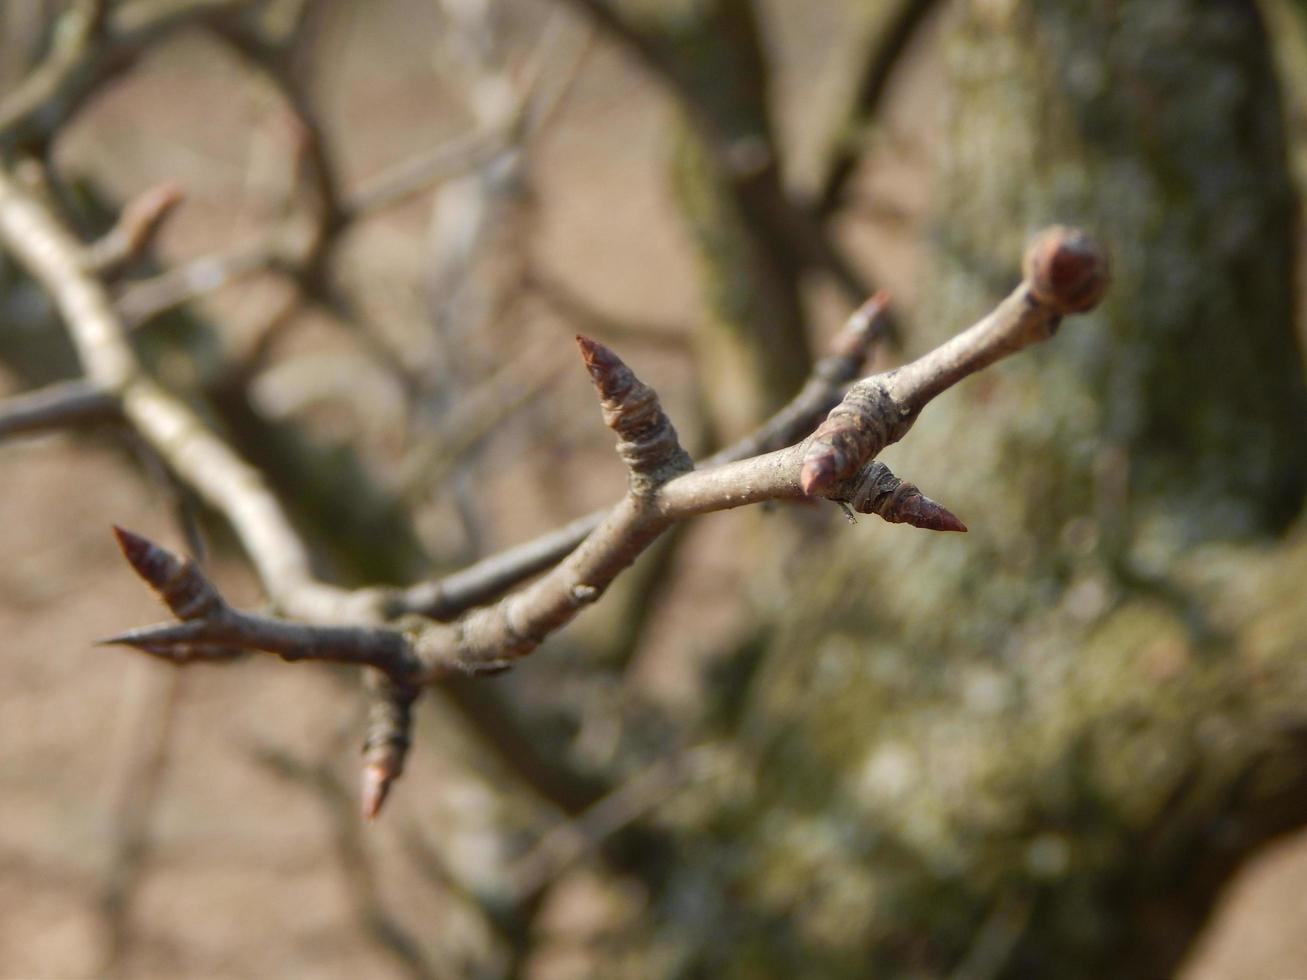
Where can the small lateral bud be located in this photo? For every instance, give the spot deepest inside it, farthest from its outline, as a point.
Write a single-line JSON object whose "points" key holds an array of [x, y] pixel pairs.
{"points": [[818, 473], [858, 428], [378, 776], [389, 735], [647, 441], [876, 490], [177, 582], [1066, 269]]}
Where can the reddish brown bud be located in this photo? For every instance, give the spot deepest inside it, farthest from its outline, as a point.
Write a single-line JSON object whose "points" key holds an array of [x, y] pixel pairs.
{"points": [[1066, 269], [858, 428], [375, 786], [918, 510], [876, 490], [177, 643], [647, 439], [819, 473], [179, 583], [154, 564], [608, 371], [390, 723]]}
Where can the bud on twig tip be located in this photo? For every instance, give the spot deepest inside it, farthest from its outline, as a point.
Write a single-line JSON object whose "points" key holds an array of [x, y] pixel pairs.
{"points": [[1066, 269]]}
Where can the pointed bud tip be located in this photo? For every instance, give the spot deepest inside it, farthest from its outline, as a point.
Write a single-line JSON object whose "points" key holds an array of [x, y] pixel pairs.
{"points": [[878, 301], [136, 548], [376, 782], [608, 371], [597, 355], [153, 563], [930, 515], [949, 522], [127, 539]]}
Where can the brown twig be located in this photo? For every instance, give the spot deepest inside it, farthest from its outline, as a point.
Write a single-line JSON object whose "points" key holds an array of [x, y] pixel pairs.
{"points": [[1065, 271], [151, 709], [564, 845], [53, 257], [277, 250], [61, 405], [134, 231]]}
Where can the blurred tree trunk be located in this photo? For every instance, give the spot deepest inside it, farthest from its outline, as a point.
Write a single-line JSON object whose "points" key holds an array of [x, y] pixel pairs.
{"points": [[753, 242], [1040, 748]]}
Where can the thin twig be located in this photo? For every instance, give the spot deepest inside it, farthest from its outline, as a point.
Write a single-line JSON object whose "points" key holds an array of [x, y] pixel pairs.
{"points": [[137, 225], [53, 257], [91, 44], [61, 405], [1065, 272]]}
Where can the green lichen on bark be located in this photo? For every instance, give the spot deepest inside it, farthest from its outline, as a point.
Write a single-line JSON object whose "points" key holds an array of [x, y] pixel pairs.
{"points": [[1039, 749], [1158, 124]]}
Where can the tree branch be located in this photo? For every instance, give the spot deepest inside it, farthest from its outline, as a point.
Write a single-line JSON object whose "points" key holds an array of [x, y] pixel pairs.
{"points": [[885, 52], [134, 231], [57, 406], [1065, 272], [92, 42], [491, 577]]}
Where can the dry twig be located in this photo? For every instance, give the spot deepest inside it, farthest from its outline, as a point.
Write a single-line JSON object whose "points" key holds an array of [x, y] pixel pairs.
{"points": [[1065, 273]]}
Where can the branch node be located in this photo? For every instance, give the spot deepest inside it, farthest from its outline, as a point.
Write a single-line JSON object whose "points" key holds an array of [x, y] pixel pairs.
{"points": [[859, 427]]}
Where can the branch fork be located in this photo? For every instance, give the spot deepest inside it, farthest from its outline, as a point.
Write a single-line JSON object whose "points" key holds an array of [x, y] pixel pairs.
{"points": [[486, 632], [1065, 273]]}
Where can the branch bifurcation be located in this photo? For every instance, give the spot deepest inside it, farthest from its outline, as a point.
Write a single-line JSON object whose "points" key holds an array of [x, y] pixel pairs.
{"points": [[472, 622], [1065, 273]]}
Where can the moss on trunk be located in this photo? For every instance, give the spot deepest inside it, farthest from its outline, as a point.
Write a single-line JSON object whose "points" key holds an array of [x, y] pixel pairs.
{"points": [[1039, 749]]}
